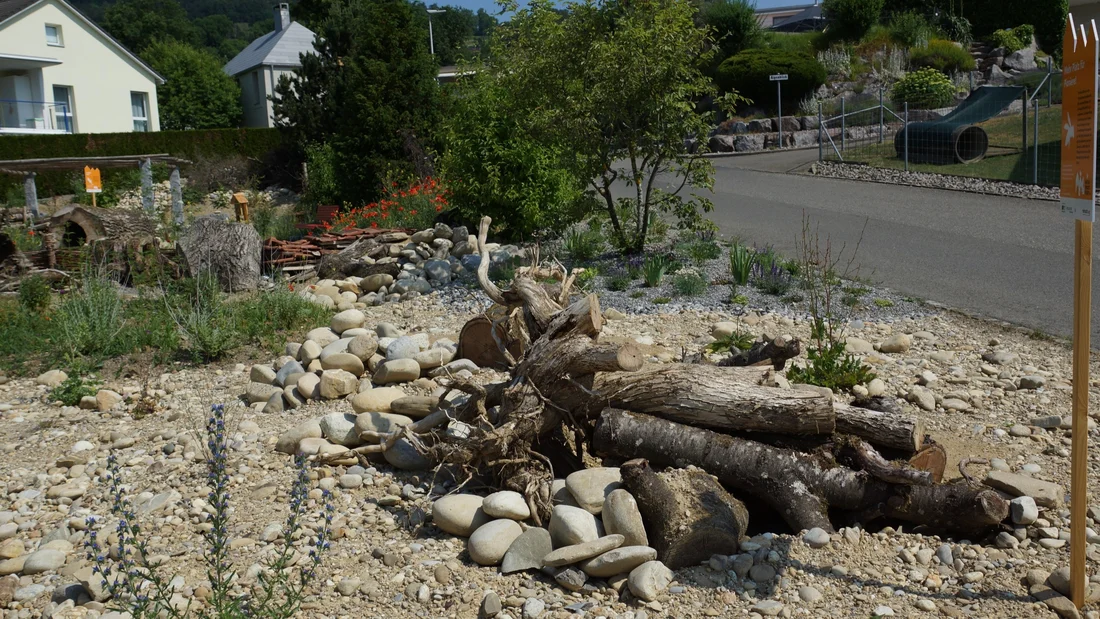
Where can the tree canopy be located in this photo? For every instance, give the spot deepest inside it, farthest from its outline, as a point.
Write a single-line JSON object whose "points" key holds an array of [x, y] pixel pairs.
{"points": [[138, 23], [197, 94]]}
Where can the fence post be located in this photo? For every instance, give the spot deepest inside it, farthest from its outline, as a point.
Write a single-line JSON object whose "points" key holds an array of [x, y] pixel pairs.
{"points": [[971, 73], [147, 185], [881, 117], [30, 194], [1050, 81], [1035, 145], [843, 128], [177, 195], [906, 136], [820, 137], [1024, 106]]}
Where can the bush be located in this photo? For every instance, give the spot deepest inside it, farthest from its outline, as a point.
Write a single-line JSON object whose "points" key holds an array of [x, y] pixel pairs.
{"points": [[734, 23], [73, 389], [619, 282], [836, 60], [1048, 17], [770, 277], [414, 206], [1013, 39], [34, 294], [956, 28], [851, 19], [689, 283], [748, 73], [321, 187], [831, 367], [24, 238], [924, 89], [797, 42], [910, 29], [269, 222], [943, 56], [203, 322], [90, 319], [583, 245], [702, 251]]}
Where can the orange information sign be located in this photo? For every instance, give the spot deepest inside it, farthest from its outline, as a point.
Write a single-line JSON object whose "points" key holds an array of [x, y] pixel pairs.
{"points": [[92, 184], [1079, 61]]}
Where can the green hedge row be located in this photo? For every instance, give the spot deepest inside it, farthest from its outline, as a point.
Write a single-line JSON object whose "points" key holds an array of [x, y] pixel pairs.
{"points": [[269, 146]]}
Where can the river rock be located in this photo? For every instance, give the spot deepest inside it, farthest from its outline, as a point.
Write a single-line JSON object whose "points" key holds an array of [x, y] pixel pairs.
{"points": [[262, 373], [1045, 493], [1024, 510], [618, 561], [403, 347], [433, 358], [289, 369], [459, 514], [288, 442], [897, 343], [260, 392], [404, 456], [309, 386], [379, 422], [376, 400], [490, 542], [590, 487], [344, 361], [52, 378], [363, 346], [339, 429], [106, 399], [309, 351], [507, 504], [337, 384], [573, 525], [396, 371], [372, 283], [347, 319], [527, 552], [323, 336], [45, 560], [621, 515], [567, 555], [339, 346], [649, 580]]}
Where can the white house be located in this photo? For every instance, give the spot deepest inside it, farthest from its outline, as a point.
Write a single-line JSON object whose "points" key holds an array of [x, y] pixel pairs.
{"points": [[258, 67], [61, 73]]}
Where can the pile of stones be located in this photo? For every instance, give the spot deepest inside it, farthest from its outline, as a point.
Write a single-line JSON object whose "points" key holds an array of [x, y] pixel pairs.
{"points": [[595, 532], [428, 260]]}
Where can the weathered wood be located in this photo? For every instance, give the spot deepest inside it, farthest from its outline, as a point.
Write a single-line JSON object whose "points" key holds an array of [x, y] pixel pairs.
{"points": [[689, 516], [904, 433], [714, 397], [796, 485], [931, 458], [865, 458], [333, 265], [230, 251], [775, 352]]}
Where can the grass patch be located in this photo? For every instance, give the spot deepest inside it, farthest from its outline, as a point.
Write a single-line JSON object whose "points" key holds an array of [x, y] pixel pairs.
{"points": [[883, 303], [662, 300]]}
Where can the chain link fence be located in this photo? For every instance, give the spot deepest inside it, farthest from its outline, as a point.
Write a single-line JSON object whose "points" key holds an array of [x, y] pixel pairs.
{"points": [[1007, 133]]}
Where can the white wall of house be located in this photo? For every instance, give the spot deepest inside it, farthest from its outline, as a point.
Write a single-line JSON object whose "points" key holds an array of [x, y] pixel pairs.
{"points": [[99, 75], [257, 88]]}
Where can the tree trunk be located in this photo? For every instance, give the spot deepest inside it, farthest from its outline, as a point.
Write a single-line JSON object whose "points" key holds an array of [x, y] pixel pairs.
{"points": [[689, 516], [798, 486], [899, 432], [776, 351], [333, 265], [231, 251]]}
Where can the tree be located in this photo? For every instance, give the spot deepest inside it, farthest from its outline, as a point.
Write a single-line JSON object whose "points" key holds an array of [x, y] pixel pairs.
{"points": [[369, 92], [196, 94], [486, 23], [851, 19], [734, 23], [616, 85], [452, 30], [138, 23]]}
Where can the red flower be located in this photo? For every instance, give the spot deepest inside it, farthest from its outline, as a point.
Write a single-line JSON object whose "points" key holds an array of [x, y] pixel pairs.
{"points": [[374, 224]]}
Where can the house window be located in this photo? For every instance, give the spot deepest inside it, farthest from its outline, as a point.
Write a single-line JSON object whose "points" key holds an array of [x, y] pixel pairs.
{"points": [[140, 110], [256, 88], [53, 35], [63, 108]]}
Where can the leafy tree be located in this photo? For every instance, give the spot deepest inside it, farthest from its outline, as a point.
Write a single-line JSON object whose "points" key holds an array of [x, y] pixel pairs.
{"points": [[734, 23], [851, 19], [197, 94], [450, 30], [486, 23], [138, 23], [369, 92], [615, 85]]}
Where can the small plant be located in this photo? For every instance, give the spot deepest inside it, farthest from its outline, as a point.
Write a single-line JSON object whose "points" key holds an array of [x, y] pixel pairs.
{"points": [[831, 367], [637, 294], [738, 299], [703, 251], [689, 283], [203, 321], [267, 220], [943, 56], [634, 267], [837, 61], [583, 245], [792, 266], [741, 260], [619, 282], [736, 341], [25, 239], [586, 278], [1013, 39], [924, 89], [654, 269], [34, 294], [90, 319], [770, 277], [662, 300], [883, 303], [144, 593], [73, 389]]}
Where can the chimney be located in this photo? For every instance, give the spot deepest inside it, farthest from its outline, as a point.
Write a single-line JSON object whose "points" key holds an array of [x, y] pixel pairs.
{"points": [[282, 17]]}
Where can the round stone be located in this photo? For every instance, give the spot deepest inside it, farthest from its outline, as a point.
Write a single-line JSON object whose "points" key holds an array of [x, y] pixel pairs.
{"points": [[590, 487], [816, 538], [573, 525], [379, 422], [396, 371], [490, 541], [363, 346], [339, 429], [649, 580], [621, 515], [376, 400], [404, 456], [459, 514], [323, 336], [506, 504], [45, 560], [347, 319], [618, 561], [344, 361], [808, 594], [403, 347]]}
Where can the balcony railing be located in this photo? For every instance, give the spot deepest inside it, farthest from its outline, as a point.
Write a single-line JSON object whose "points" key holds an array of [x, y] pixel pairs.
{"points": [[20, 116]]}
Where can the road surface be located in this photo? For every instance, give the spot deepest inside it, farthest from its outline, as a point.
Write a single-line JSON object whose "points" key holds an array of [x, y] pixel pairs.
{"points": [[1006, 258]]}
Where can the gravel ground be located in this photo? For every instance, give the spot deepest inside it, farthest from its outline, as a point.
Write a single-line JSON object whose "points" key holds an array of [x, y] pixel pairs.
{"points": [[861, 172]]}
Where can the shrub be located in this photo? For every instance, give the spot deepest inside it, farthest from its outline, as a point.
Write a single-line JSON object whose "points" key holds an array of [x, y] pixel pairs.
{"points": [[738, 340], [586, 278], [943, 56], [411, 207], [910, 29], [143, 592], [741, 260], [924, 89], [321, 187], [269, 222], [90, 319], [831, 367], [956, 28], [703, 251], [837, 61], [583, 245], [798, 42], [34, 294], [1012, 39], [505, 270], [619, 282], [203, 322], [24, 238], [734, 23], [851, 19], [73, 389], [770, 277], [654, 269], [689, 283], [748, 73]]}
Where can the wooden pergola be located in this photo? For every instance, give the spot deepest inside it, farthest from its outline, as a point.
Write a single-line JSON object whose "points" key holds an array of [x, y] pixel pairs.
{"points": [[28, 168]]}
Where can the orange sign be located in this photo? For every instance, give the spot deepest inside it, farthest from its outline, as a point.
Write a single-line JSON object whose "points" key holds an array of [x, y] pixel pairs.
{"points": [[1079, 60], [92, 184]]}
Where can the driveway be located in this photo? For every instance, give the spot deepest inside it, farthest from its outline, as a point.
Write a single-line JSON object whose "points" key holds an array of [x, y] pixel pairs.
{"points": [[1006, 258]]}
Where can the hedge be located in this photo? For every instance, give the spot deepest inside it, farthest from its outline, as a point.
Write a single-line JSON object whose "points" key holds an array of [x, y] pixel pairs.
{"points": [[269, 146], [748, 73]]}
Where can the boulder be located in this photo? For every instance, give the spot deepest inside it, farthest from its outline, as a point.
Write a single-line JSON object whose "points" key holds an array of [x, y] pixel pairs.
{"points": [[621, 515], [262, 373], [289, 369], [1045, 493], [490, 542], [260, 392], [568, 555], [376, 400], [527, 551], [52, 378], [618, 561], [323, 336], [363, 346], [309, 386], [107, 399], [396, 371], [404, 347], [340, 429], [590, 487], [344, 361], [379, 422], [339, 346], [507, 504], [309, 351], [337, 384], [459, 514], [1021, 60], [347, 319], [372, 283], [404, 456], [649, 580], [572, 525]]}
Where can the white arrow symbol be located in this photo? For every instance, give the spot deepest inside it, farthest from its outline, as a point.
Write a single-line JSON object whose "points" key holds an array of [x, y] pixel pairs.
{"points": [[1068, 127]]}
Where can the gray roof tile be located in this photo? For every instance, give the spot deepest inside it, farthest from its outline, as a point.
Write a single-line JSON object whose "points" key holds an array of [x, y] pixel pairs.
{"points": [[274, 48]]}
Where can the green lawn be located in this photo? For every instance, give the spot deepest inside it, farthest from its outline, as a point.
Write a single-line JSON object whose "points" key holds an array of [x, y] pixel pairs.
{"points": [[1005, 136]]}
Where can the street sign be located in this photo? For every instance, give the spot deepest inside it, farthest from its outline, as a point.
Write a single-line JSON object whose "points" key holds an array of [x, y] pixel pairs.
{"points": [[1078, 191], [779, 77], [92, 184], [1078, 178]]}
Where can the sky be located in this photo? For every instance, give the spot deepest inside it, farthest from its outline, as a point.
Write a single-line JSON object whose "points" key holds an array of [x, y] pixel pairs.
{"points": [[491, 5]]}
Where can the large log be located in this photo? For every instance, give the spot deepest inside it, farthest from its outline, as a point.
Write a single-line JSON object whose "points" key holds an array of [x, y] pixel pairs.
{"points": [[896, 431], [798, 486], [230, 251], [334, 265]]}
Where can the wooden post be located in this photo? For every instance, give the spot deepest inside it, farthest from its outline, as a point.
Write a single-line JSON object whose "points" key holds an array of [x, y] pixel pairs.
{"points": [[177, 195], [30, 195], [1082, 312], [147, 185]]}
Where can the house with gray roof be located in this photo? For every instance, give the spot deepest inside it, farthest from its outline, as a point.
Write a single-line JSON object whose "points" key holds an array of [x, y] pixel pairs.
{"points": [[258, 67]]}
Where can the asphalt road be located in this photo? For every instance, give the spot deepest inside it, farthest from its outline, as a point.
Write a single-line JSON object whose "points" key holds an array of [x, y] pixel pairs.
{"points": [[1000, 257]]}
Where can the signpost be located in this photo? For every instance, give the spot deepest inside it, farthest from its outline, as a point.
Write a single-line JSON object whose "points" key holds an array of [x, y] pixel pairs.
{"points": [[779, 78], [1078, 197], [92, 184]]}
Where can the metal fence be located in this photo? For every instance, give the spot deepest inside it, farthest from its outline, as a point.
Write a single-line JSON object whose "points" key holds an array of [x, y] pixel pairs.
{"points": [[985, 136]]}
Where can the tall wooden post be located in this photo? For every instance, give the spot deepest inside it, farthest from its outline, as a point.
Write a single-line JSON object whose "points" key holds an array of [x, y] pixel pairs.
{"points": [[177, 196], [147, 185], [1082, 311], [30, 195]]}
